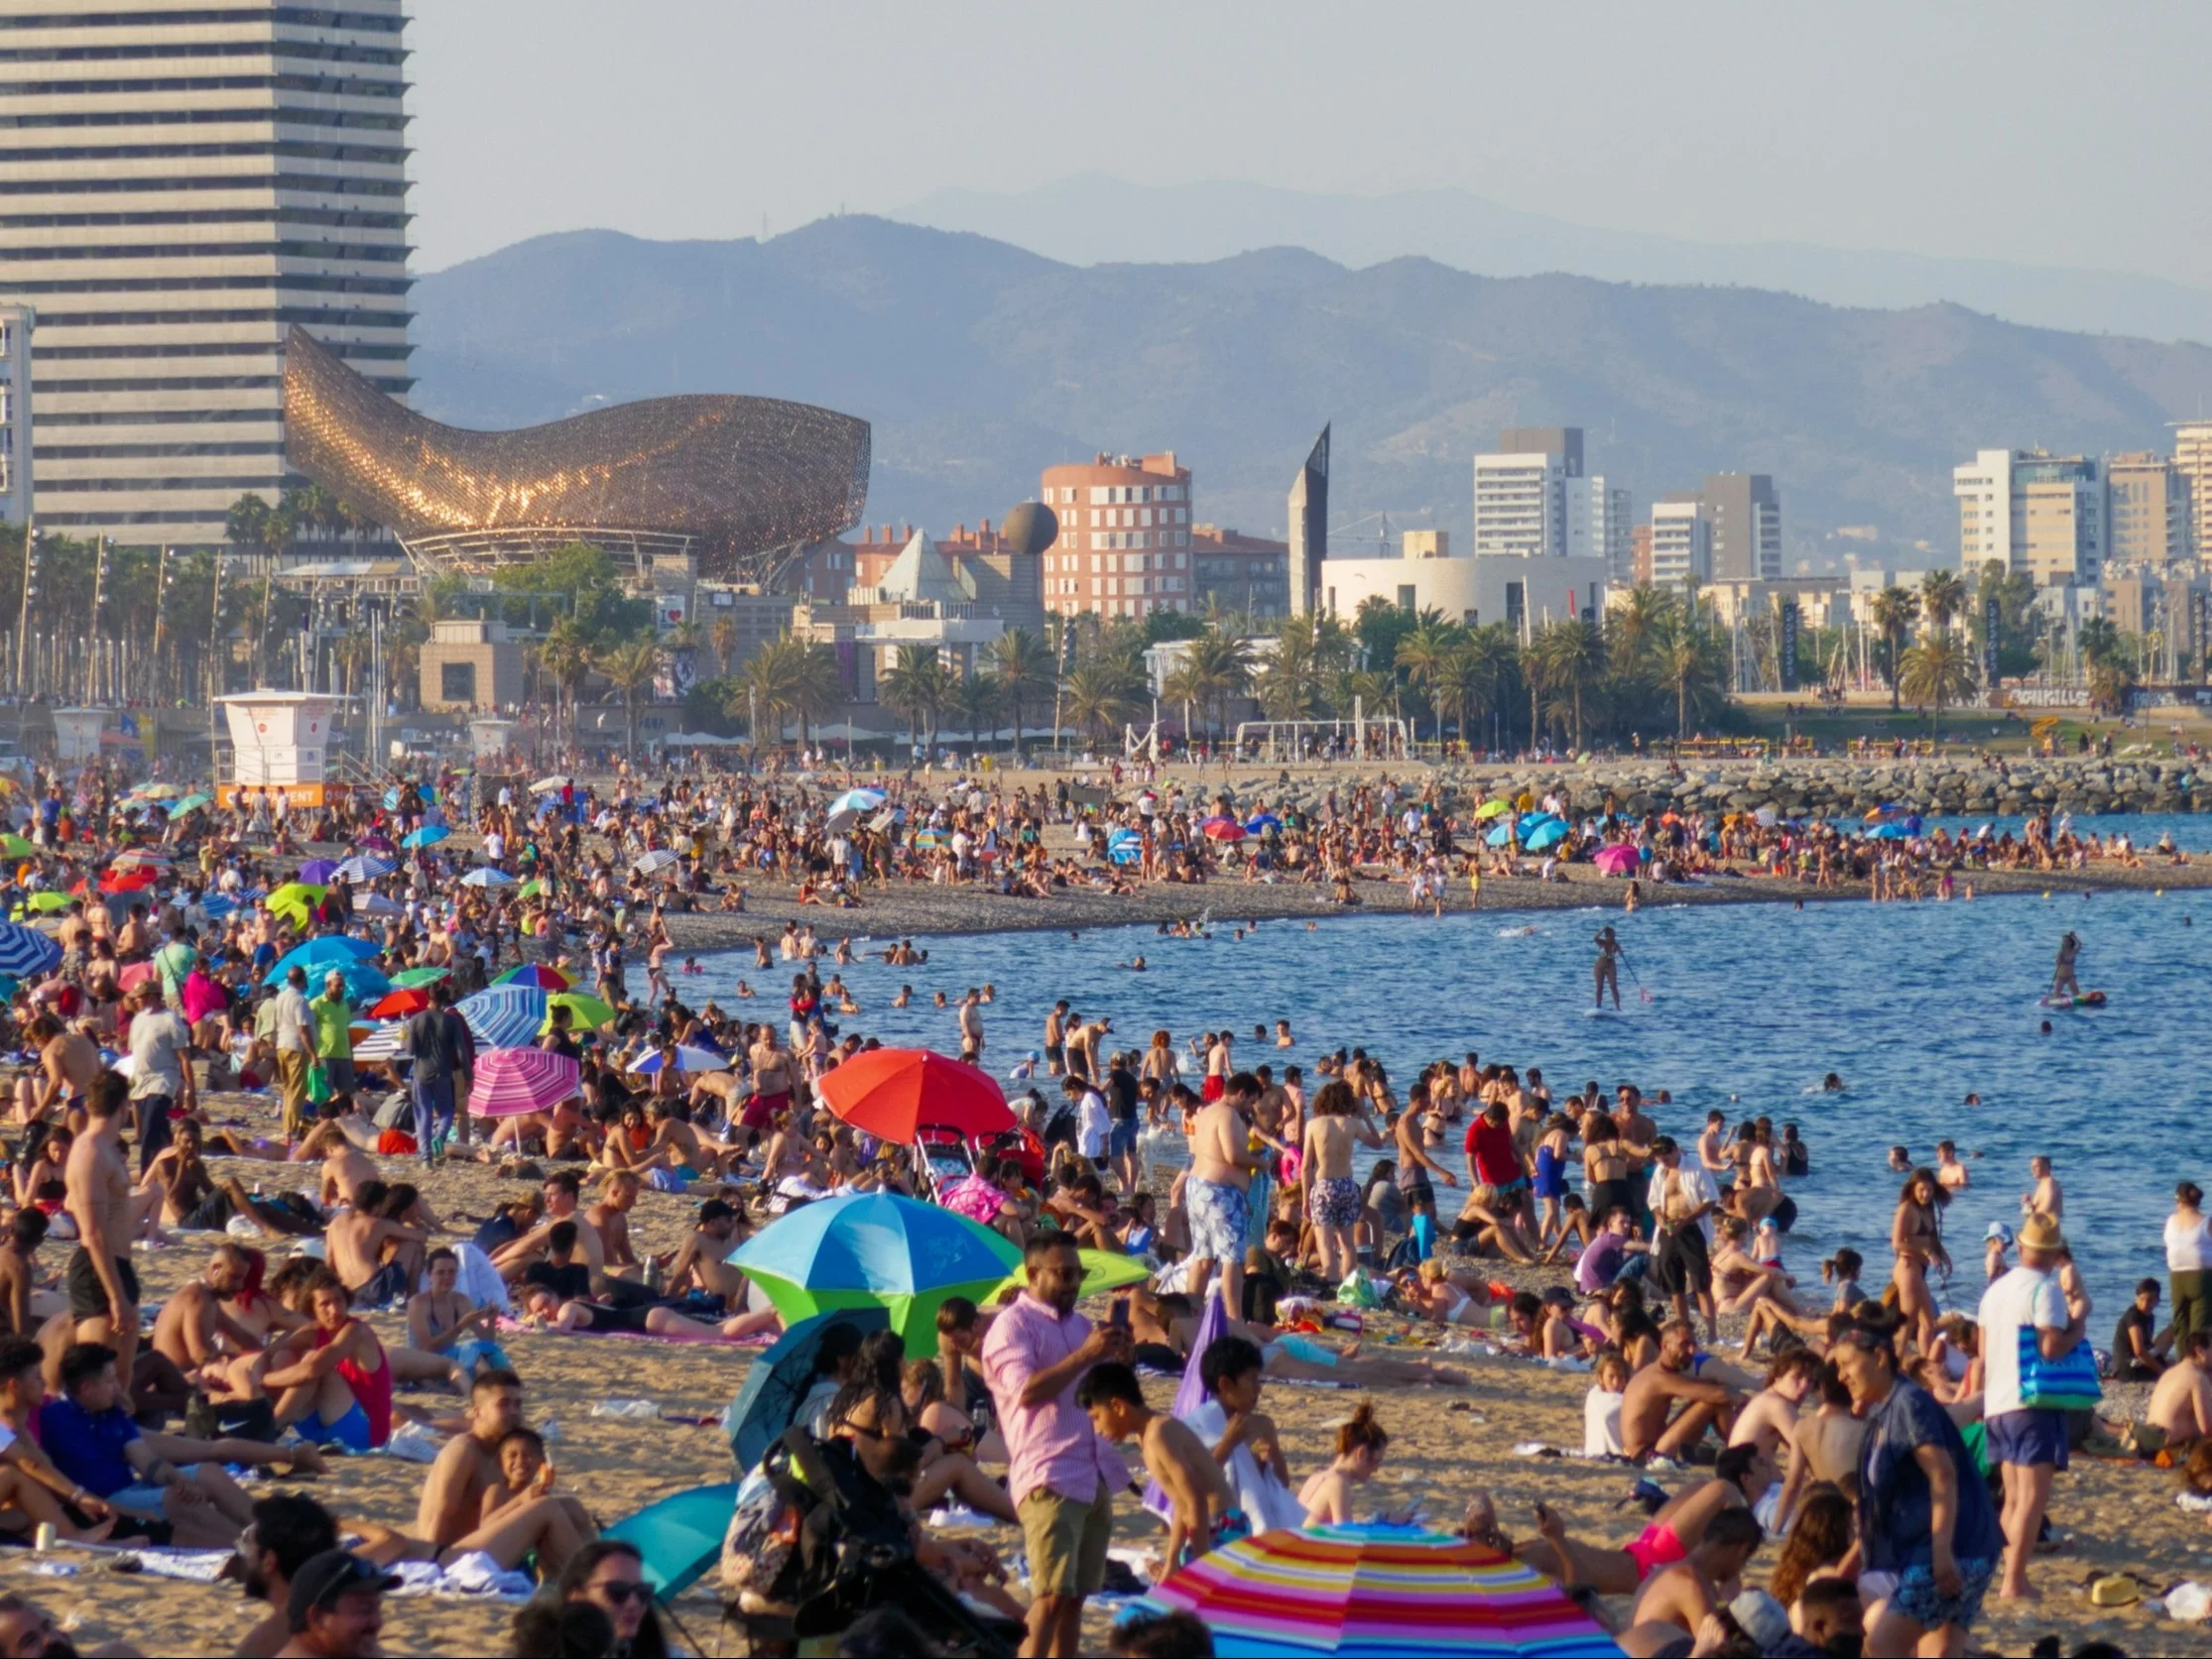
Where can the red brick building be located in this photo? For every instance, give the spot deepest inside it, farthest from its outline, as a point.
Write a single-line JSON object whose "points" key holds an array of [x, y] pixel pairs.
{"points": [[1124, 547]]}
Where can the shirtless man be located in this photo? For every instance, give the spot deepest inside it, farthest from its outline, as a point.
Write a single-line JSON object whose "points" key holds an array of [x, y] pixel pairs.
{"points": [[345, 1167], [1679, 1598], [102, 1285], [356, 1239], [562, 1191], [971, 1022], [452, 1505], [1951, 1174], [1770, 1422], [1217, 1195], [701, 1261], [196, 1331], [68, 1061], [1651, 1424], [2182, 1403], [772, 1081], [28, 1306], [2046, 1198], [610, 1218], [1055, 1038]]}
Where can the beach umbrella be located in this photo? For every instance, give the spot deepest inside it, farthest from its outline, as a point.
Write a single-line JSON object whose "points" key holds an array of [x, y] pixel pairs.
{"points": [[781, 1375], [429, 835], [530, 889], [385, 1042], [687, 1058], [160, 792], [400, 1002], [139, 858], [678, 1538], [46, 903], [587, 1010], [293, 900], [1618, 859], [1889, 832], [318, 872], [1103, 1271], [858, 800], [656, 860], [509, 1082], [16, 848], [876, 1251], [376, 841], [24, 951], [1125, 852], [1766, 817], [359, 868], [1260, 822], [127, 880], [505, 1016], [1544, 836], [378, 904], [1221, 829], [890, 1093], [549, 786], [363, 982], [413, 978], [932, 838], [487, 876], [191, 803], [535, 974], [1501, 836], [1375, 1592], [1490, 809], [331, 950]]}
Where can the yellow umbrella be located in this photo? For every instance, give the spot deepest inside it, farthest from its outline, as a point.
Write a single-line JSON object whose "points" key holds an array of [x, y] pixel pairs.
{"points": [[1103, 1271], [293, 901]]}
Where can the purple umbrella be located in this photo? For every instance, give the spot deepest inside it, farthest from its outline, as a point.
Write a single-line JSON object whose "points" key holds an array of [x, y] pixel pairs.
{"points": [[318, 872], [1213, 1325]]}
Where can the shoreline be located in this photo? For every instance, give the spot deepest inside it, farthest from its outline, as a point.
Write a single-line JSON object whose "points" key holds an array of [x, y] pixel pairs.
{"points": [[922, 909]]}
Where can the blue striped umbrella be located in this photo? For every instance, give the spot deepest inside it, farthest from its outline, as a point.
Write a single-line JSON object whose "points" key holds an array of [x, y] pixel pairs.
{"points": [[24, 951], [362, 867], [429, 835], [506, 1015]]}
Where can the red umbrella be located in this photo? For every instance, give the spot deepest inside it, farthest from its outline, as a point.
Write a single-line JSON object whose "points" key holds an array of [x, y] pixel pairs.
{"points": [[398, 1003], [127, 880], [1222, 829], [890, 1093]]}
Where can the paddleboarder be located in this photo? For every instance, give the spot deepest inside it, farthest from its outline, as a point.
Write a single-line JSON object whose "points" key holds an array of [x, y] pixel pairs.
{"points": [[1607, 969], [2063, 984]]}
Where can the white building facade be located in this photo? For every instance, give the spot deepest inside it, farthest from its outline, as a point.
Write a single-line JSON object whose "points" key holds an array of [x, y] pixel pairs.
{"points": [[16, 499], [1681, 543], [180, 185], [2030, 510]]}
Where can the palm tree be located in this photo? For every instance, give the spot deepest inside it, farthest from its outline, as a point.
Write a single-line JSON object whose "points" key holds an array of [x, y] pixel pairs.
{"points": [[1421, 656], [1894, 612], [565, 654], [246, 524], [769, 689], [1022, 662], [629, 668], [1942, 597], [1186, 684], [1101, 694], [1632, 627], [1571, 658], [816, 686], [1688, 655], [1225, 664], [920, 686], [976, 695], [1938, 670]]}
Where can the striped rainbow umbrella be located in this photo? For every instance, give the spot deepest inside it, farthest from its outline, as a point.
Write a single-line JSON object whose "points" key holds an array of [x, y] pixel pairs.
{"points": [[1375, 1593], [512, 1081]]}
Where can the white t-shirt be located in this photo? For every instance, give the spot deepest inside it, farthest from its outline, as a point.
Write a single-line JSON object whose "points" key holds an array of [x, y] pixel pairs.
{"points": [[1092, 1125], [2026, 1298], [1601, 1424], [2185, 1245]]}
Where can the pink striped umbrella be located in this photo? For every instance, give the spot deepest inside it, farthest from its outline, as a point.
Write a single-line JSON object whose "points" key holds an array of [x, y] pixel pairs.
{"points": [[512, 1081]]}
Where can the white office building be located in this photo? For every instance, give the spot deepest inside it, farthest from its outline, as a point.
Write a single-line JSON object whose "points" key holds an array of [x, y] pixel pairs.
{"points": [[1681, 543], [181, 182], [2035, 512], [1520, 506], [16, 324]]}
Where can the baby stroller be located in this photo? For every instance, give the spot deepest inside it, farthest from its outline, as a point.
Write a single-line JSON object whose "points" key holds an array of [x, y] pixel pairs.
{"points": [[840, 1555]]}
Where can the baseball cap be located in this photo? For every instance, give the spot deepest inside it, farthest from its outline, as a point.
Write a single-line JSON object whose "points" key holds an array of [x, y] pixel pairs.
{"points": [[325, 1578], [1998, 1229]]}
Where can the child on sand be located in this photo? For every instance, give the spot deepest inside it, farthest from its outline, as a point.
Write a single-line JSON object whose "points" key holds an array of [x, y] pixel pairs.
{"points": [[1601, 1408], [1327, 1492], [1204, 1512]]}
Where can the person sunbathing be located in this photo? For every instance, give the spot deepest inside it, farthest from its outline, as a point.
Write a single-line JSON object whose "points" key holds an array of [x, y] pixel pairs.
{"points": [[548, 1309]]}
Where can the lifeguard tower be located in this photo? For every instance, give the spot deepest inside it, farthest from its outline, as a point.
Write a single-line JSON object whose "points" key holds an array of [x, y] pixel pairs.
{"points": [[279, 741]]}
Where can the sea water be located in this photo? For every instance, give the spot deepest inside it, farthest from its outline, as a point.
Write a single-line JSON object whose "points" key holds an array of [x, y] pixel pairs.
{"points": [[1741, 1008]]}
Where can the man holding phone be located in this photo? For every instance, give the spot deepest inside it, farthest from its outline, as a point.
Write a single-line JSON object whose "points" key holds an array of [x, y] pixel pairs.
{"points": [[1060, 1471]]}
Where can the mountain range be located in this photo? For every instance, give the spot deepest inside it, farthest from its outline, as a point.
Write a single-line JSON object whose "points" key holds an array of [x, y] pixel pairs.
{"points": [[979, 363]]}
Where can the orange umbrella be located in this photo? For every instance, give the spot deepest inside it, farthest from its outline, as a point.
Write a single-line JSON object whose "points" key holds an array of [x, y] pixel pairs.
{"points": [[890, 1093]]}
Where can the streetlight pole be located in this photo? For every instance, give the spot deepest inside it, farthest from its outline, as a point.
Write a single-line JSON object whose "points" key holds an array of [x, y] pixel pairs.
{"points": [[29, 583], [160, 603]]}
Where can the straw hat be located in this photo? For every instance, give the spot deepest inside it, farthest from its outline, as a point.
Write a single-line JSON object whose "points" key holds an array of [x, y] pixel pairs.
{"points": [[2041, 1232]]}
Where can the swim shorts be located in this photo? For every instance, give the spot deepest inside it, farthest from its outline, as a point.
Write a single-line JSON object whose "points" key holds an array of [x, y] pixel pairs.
{"points": [[1918, 1599], [1657, 1546], [1218, 1217], [1213, 1088], [1334, 1202], [1296, 1347], [350, 1431], [385, 1286], [87, 1296], [2027, 1438]]}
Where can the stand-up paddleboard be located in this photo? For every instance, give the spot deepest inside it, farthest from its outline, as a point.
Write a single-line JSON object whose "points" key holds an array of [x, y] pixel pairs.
{"points": [[2080, 999]]}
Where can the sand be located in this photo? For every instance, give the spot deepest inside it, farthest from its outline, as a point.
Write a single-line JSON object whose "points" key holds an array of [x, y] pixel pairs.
{"points": [[1445, 1442]]}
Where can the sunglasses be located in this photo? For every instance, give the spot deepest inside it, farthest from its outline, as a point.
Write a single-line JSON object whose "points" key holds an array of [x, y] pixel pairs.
{"points": [[623, 1590]]}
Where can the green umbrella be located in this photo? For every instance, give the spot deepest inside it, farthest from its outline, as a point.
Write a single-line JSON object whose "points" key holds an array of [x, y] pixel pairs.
{"points": [[191, 803], [1490, 809], [588, 1011], [45, 903], [1103, 1271], [414, 977], [16, 848], [530, 889]]}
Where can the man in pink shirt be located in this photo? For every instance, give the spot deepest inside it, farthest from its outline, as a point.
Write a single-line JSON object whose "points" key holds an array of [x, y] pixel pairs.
{"points": [[1060, 1473]]}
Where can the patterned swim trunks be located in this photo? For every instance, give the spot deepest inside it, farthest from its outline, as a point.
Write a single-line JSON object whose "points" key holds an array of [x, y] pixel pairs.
{"points": [[1218, 1217], [1334, 1202]]}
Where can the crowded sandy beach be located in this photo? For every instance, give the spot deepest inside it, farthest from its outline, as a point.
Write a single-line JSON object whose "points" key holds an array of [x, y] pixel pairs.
{"points": [[414, 1245]]}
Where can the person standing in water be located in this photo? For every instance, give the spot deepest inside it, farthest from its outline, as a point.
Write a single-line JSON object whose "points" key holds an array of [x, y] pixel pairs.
{"points": [[2063, 983], [1606, 971]]}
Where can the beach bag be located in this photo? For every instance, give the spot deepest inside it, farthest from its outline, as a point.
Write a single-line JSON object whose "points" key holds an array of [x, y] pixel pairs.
{"points": [[2066, 1383], [319, 1083]]}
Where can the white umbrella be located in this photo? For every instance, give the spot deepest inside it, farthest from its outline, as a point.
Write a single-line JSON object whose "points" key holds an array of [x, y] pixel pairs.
{"points": [[549, 786], [658, 860], [487, 876]]}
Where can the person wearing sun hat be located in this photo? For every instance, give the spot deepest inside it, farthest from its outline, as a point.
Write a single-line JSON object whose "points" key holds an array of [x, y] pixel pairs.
{"points": [[2033, 1320]]}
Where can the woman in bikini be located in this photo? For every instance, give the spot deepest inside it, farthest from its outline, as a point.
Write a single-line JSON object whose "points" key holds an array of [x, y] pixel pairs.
{"points": [[1332, 1195], [1917, 1236], [1608, 1161]]}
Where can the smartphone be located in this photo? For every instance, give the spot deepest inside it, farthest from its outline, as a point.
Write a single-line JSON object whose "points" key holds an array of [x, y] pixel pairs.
{"points": [[1119, 1318]]}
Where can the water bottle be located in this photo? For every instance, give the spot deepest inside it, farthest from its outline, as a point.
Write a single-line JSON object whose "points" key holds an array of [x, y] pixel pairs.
{"points": [[628, 1411]]}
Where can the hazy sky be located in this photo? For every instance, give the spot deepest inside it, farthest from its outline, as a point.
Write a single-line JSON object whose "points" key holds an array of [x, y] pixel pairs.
{"points": [[2045, 133]]}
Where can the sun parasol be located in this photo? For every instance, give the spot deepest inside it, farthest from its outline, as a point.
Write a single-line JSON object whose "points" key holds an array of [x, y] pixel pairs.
{"points": [[376, 841], [586, 1010], [43, 903], [293, 901], [781, 1375], [362, 868], [135, 879], [687, 1058], [509, 1082], [890, 1093], [24, 951], [857, 800], [535, 974], [1374, 1591], [400, 1002], [656, 860], [191, 803], [876, 1251], [549, 786], [1618, 859], [1103, 1271], [1543, 836], [16, 848], [408, 979], [429, 835], [487, 876], [1490, 809], [139, 858], [1221, 829], [318, 872], [505, 1016]]}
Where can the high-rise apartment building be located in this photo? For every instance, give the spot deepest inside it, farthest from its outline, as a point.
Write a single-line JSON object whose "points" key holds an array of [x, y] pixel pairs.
{"points": [[2035, 512], [2148, 520], [181, 182], [1745, 515], [1521, 505], [1612, 530], [1123, 546], [16, 500], [2192, 461], [1682, 541]]}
